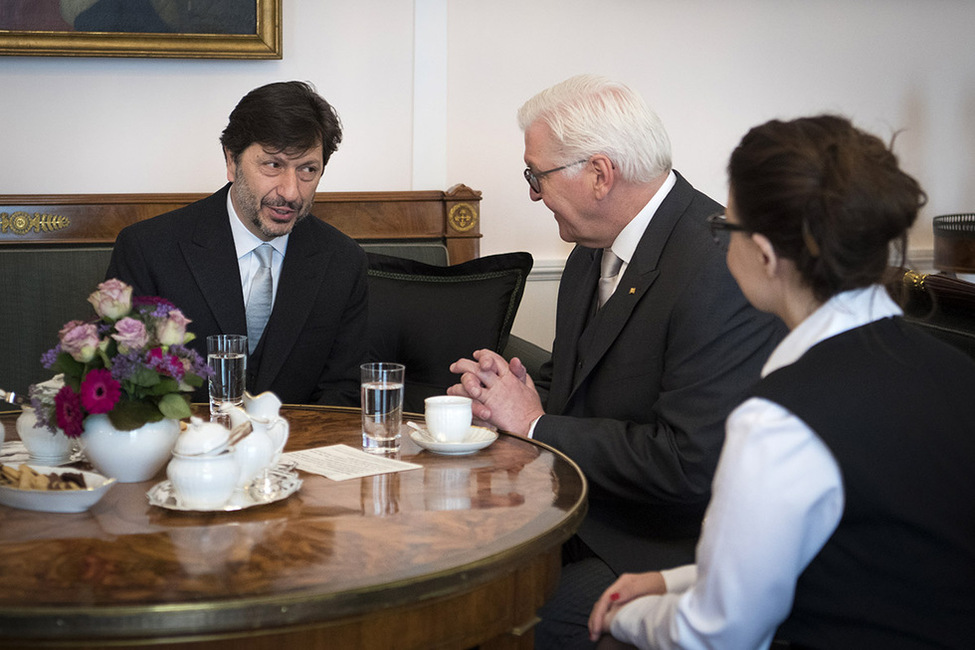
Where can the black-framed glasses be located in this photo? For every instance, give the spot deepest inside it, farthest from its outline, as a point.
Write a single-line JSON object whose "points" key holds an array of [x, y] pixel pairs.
{"points": [[719, 224], [533, 177]]}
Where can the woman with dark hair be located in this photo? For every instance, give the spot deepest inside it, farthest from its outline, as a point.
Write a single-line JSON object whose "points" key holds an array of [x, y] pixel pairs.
{"points": [[843, 507]]}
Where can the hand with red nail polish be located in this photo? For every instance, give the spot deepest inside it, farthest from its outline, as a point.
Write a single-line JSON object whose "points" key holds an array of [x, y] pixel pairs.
{"points": [[625, 589]]}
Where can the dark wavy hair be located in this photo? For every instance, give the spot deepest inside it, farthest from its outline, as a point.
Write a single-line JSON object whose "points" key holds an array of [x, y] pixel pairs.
{"points": [[284, 116], [828, 196]]}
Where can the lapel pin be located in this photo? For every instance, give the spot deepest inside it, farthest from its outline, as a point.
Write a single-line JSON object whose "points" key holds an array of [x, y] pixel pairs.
{"points": [[632, 290]]}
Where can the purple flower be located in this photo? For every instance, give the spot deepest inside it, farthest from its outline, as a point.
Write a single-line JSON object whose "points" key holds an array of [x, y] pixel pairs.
{"points": [[49, 357], [153, 303], [124, 366], [192, 361], [80, 340], [42, 401], [165, 364], [131, 334]]}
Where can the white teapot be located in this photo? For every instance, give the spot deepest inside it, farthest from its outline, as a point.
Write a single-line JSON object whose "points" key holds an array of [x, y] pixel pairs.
{"points": [[203, 471], [261, 449]]}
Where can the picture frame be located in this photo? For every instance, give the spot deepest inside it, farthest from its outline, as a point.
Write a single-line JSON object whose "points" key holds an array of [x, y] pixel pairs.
{"points": [[264, 42]]}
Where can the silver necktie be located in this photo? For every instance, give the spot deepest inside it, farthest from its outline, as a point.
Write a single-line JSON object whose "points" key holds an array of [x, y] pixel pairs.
{"points": [[608, 270], [259, 299]]}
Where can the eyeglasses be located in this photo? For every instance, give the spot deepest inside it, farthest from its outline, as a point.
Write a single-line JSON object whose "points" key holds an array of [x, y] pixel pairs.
{"points": [[719, 224], [533, 177]]}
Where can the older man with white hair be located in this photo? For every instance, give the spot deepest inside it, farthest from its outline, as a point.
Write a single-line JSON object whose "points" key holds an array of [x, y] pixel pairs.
{"points": [[654, 342]]}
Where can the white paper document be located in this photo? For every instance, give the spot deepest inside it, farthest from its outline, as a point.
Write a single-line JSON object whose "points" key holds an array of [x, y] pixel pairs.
{"points": [[342, 462]]}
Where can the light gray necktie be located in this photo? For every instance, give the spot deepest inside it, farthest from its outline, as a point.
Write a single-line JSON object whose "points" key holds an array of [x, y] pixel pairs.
{"points": [[608, 270], [259, 299]]}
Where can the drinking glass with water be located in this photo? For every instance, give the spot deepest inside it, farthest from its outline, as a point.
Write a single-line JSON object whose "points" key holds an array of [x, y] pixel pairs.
{"points": [[382, 406], [227, 358]]}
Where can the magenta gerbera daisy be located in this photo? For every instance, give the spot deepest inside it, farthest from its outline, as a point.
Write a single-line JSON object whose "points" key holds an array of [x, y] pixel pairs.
{"points": [[67, 405], [99, 392]]}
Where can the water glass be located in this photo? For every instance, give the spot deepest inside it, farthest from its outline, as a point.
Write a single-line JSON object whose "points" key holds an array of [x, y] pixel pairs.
{"points": [[227, 358], [382, 406]]}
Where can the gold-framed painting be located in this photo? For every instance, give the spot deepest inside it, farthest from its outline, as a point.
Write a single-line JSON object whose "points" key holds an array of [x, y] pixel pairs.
{"points": [[184, 29]]}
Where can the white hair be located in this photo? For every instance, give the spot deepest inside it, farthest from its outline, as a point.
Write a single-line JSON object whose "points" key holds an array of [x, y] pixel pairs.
{"points": [[591, 115]]}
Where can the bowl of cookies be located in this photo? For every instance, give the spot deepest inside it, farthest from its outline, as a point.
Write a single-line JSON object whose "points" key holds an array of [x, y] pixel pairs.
{"points": [[51, 489]]}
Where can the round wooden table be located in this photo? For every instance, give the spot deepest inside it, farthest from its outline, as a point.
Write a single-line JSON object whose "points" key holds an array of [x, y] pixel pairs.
{"points": [[458, 553]]}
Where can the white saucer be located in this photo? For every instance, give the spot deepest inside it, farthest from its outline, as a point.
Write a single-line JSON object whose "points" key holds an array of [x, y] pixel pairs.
{"points": [[282, 483], [477, 438]]}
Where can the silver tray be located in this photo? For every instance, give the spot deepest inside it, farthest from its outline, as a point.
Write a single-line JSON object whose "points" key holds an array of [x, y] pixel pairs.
{"points": [[280, 483]]}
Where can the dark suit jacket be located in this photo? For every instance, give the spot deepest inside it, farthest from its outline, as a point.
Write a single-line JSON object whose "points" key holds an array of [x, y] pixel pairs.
{"points": [[638, 393], [315, 337]]}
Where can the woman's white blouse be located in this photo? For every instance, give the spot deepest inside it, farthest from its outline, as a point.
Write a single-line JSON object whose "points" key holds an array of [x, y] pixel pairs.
{"points": [[776, 499]]}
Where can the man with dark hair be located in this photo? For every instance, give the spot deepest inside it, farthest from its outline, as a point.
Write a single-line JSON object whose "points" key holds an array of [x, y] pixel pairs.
{"points": [[246, 259]]}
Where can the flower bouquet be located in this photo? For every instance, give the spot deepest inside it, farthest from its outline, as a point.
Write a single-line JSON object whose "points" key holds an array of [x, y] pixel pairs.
{"points": [[131, 363]]}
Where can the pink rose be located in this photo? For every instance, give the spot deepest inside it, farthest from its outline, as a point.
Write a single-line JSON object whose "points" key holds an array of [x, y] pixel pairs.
{"points": [[131, 334], [172, 331], [80, 340], [112, 300]]}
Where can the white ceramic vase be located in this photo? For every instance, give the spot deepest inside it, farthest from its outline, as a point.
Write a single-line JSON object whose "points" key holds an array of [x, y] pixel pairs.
{"points": [[43, 446], [129, 456]]}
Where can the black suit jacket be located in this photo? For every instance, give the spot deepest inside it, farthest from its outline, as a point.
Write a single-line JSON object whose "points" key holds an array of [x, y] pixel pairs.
{"points": [[315, 337], [638, 393]]}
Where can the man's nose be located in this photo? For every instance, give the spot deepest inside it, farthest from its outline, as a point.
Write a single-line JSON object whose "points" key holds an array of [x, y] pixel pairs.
{"points": [[288, 186]]}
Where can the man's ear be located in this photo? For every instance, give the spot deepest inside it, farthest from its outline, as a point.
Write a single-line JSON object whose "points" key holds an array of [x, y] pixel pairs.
{"points": [[231, 165], [605, 175]]}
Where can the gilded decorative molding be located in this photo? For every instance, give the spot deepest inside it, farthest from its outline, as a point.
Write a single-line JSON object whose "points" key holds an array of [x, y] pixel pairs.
{"points": [[462, 217], [914, 279], [21, 223]]}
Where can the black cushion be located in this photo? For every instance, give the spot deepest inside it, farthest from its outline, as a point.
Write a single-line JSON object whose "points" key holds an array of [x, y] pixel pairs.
{"points": [[426, 317]]}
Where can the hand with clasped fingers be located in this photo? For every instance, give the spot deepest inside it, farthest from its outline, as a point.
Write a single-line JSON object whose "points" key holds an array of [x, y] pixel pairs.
{"points": [[627, 587], [503, 393]]}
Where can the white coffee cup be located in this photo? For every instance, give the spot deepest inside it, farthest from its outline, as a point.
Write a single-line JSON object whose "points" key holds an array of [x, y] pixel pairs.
{"points": [[448, 417]]}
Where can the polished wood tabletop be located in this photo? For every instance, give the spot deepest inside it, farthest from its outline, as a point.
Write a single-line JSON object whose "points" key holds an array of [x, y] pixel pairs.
{"points": [[458, 553]]}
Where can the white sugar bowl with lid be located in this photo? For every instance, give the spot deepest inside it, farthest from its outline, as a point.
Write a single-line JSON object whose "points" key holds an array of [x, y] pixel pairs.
{"points": [[203, 470]]}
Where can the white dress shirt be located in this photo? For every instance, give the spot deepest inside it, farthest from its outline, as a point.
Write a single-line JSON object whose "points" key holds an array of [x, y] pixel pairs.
{"points": [[246, 243], [777, 497], [629, 238]]}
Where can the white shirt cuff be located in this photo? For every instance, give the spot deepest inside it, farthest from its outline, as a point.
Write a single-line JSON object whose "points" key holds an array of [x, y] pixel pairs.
{"points": [[680, 579]]}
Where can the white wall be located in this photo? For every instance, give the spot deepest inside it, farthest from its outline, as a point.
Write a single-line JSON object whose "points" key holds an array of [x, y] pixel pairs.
{"points": [[152, 125], [428, 89]]}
